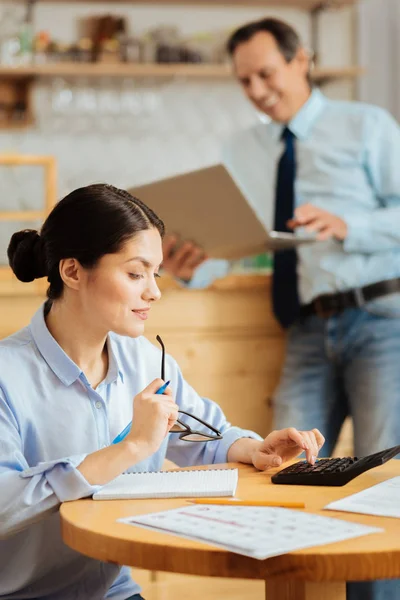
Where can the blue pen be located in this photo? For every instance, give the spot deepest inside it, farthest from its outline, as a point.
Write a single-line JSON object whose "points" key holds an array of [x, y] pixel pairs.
{"points": [[127, 429]]}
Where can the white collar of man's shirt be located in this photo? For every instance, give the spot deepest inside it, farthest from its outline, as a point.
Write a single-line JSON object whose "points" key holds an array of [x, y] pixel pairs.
{"points": [[304, 119], [59, 362]]}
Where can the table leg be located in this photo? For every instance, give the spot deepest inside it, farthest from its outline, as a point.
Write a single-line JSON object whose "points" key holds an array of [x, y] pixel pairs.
{"points": [[303, 590]]}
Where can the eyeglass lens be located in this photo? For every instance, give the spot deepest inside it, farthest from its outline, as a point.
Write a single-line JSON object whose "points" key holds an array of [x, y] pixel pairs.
{"points": [[197, 437], [178, 428]]}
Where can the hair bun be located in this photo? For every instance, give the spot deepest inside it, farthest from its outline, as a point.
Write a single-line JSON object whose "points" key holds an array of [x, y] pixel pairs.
{"points": [[26, 255]]}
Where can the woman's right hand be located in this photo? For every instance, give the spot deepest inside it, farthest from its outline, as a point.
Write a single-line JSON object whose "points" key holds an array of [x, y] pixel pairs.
{"points": [[154, 415]]}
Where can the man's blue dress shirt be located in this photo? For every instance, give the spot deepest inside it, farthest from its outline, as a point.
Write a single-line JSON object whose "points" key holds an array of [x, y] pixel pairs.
{"points": [[348, 163], [50, 420]]}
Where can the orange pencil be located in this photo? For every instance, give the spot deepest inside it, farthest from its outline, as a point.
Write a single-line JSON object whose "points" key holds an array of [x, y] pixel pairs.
{"points": [[234, 502]]}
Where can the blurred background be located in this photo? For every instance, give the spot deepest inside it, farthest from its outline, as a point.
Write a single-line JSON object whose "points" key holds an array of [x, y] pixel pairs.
{"points": [[98, 85], [131, 92]]}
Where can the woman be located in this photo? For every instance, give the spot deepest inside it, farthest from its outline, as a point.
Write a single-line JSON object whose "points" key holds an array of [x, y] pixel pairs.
{"points": [[66, 387]]}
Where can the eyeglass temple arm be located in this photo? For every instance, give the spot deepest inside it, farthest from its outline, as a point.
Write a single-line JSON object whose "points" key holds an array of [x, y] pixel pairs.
{"points": [[159, 340], [200, 421]]}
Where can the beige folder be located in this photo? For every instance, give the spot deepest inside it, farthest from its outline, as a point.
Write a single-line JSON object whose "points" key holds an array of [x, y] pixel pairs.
{"points": [[207, 207]]}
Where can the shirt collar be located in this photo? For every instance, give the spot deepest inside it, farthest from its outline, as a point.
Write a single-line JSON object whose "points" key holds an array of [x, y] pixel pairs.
{"points": [[304, 119], [114, 370], [59, 362]]}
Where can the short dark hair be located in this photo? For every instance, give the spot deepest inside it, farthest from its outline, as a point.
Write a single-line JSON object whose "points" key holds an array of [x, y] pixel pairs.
{"points": [[87, 224], [287, 38]]}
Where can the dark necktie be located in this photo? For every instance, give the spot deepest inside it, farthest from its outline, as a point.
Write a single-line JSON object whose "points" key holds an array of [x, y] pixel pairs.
{"points": [[285, 298]]}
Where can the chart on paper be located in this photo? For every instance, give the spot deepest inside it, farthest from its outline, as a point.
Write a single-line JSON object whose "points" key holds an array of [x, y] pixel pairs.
{"points": [[258, 532]]}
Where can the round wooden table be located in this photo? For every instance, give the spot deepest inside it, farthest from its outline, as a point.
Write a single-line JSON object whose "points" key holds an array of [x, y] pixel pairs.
{"points": [[90, 527]]}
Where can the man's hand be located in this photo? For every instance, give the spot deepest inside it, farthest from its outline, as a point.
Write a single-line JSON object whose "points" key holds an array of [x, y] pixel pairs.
{"points": [[324, 223], [286, 444], [181, 261]]}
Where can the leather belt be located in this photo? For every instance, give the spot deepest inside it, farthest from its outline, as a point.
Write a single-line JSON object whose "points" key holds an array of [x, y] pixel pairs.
{"points": [[327, 305]]}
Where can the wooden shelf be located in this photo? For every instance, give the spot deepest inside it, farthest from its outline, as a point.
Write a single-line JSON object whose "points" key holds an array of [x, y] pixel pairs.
{"points": [[326, 74], [192, 71], [302, 4], [117, 70]]}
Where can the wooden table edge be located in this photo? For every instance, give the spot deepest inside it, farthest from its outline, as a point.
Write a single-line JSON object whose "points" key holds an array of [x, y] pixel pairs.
{"points": [[304, 565]]}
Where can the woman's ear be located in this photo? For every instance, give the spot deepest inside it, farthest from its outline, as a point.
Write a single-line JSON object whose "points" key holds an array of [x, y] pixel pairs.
{"points": [[71, 272]]}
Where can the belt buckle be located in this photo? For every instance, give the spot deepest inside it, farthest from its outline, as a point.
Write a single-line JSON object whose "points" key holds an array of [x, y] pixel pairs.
{"points": [[322, 312], [319, 311], [359, 297]]}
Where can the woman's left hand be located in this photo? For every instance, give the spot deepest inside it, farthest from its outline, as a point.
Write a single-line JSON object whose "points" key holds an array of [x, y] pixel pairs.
{"points": [[286, 444]]}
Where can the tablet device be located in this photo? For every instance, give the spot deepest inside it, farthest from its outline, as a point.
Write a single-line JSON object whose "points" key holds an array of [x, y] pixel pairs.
{"points": [[207, 207]]}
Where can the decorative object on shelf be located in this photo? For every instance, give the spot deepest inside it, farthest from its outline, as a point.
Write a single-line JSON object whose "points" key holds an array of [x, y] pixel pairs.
{"points": [[105, 48], [15, 110], [16, 34], [47, 163], [15, 52]]}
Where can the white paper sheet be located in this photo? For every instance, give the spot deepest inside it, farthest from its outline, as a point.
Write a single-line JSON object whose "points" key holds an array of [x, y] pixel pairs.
{"points": [[258, 532], [382, 500]]}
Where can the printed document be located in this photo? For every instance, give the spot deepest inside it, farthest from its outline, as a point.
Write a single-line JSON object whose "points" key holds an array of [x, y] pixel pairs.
{"points": [[382, 500], [258, 532]]}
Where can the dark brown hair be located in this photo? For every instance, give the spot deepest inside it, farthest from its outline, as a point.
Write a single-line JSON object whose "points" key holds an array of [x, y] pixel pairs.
{"points": [[87, 224], [287, 38]]}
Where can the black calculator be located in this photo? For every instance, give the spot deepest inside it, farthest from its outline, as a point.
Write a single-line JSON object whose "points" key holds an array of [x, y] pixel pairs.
{"points": [[332, 471]]}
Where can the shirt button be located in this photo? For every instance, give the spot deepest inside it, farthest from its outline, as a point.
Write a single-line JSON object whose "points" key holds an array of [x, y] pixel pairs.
{"points": [[98, 404]]}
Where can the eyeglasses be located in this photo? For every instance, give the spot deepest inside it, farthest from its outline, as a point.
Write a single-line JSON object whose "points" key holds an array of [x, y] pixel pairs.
{"points": [[187, 433]]}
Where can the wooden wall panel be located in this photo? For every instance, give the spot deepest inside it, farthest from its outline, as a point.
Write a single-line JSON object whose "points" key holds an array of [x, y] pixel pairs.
{"points": [[224, 338]]}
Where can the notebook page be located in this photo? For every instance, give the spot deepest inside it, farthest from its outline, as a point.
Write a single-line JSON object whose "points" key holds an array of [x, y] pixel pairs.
{"points": [[171, 484], [259, 532]]}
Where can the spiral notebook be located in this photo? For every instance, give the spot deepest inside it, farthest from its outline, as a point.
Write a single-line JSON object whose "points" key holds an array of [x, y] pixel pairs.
{"points": [[171, 484]]}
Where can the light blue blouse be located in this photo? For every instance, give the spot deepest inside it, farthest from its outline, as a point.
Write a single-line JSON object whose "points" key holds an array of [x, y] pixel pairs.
{"points": [[50, 419]]}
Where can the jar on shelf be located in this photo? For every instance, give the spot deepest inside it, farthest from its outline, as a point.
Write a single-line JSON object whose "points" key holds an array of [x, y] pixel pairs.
{"points": [[62, 53], [168, 44], [41, 48], [9, 39], [200, 48], [25, 43], [133, 50], [53, 52], [109, 52], [85, 50], [148, 49]]}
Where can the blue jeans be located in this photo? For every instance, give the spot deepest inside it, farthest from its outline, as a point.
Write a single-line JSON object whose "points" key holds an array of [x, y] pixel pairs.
{"points": [[348, 364]]}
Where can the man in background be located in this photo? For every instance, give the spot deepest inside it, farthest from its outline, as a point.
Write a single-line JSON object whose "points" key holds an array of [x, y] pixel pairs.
{"points": [[331, 168]]}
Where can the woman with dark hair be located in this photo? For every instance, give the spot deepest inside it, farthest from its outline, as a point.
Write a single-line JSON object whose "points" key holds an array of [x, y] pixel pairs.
{"points": [[73, 379]]}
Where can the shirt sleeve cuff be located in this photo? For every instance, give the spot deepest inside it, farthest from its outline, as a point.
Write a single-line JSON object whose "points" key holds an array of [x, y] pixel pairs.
{"points": [[207, 273], [65, 479], [358, 233], [230, 436]]}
